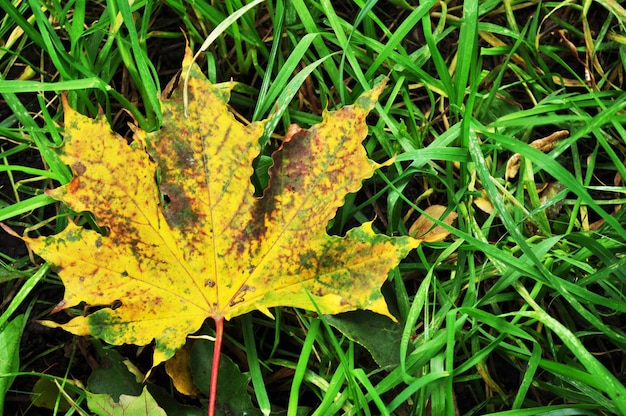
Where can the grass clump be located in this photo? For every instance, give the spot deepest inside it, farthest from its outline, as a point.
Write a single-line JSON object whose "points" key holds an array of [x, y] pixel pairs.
{"points": [[519, 311]]}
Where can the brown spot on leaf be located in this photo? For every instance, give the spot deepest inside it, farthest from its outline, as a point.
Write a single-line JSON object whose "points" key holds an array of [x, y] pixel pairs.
{"points": [[74, 184], [79, 168]]}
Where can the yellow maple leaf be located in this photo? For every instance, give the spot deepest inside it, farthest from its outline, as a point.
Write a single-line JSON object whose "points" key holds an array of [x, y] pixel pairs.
{"points": [[212, 249]]}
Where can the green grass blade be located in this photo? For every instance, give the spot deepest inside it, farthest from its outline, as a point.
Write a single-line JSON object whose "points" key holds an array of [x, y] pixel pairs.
{"points": [[613, 387], [25, 206], [280, 84], [22, 294], [254, 365], [302, 366], [285, 97], [467, 55]]}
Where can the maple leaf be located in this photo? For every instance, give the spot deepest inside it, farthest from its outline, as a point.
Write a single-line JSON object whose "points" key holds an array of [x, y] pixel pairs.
{"points": [[212, 249]]}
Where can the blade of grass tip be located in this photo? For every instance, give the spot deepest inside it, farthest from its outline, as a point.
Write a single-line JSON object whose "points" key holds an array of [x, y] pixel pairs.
{"points": [[480, 245], [529, 374], [438, 60], [286, 96], [50, 124], [357, 398], [527, 182], [254, 366], [27, 287], [372, 394], [17, 17], [508, 275], [210, 39], [467, 58], [606, 116], [480, 354], [400, 34], [466, 266], [278, 319], [605, 255], [25, 169], [212, 12], [346, 363], [344, 42], [491, 96], [58, 169], [305, 353], [113, 21], [348, 52], [499, 324], [13, 150], [302, 10], [365, 9], [287, 70], [612, 386], [330, 393], [418, 304], [401, 294], [237, 41], [51, 42], [373, 24], [278, 17], [147, 77], [76, 25], [610, 150], [573, 375]]}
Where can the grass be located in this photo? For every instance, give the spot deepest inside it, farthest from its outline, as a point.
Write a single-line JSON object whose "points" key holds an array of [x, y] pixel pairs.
{"points": [[519, 311]]}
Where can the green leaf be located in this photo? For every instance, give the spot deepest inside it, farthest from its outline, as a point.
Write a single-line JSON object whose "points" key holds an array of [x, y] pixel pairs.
{"points": [[9, 354], [113, 377], [144, 404], [232, 397], [377, 334], [46, 394]]}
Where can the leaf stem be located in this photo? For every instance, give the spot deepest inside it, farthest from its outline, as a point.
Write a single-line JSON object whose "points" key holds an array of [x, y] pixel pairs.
{"points": [[219, 331]]}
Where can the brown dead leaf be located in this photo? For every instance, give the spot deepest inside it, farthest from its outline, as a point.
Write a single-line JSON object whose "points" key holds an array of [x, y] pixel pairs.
{"points": [[484, 204], [545, 145], [426, 229]]}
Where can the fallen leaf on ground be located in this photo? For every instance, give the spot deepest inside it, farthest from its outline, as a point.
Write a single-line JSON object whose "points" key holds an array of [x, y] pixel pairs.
{"points": [[545, 145], [198, 244], [426, 230]]}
